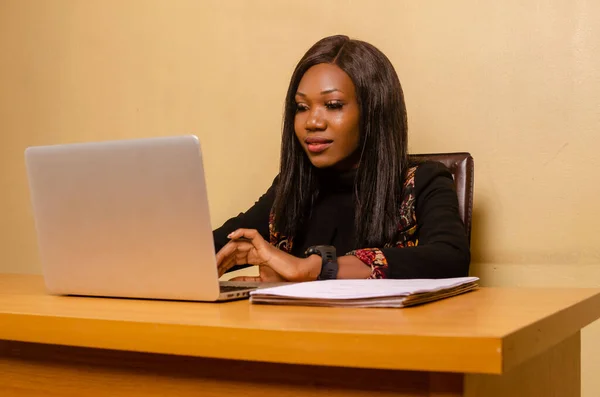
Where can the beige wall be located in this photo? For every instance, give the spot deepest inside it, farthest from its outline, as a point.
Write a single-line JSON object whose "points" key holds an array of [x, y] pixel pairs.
{"points": [[516, 83]]}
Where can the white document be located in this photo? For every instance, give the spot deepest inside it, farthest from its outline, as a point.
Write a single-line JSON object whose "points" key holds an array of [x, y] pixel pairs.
{"points": [[365, 293]]}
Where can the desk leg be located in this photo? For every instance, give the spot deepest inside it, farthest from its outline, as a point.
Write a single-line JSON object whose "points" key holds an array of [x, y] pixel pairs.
{"points": [[49, 370], [553, 373]]}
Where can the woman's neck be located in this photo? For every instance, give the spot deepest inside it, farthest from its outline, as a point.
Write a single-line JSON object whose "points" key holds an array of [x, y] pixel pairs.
{"points": [[331, 179]]}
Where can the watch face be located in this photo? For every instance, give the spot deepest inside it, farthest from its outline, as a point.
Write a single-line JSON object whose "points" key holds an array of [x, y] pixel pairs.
{"points": [[321, 250]]}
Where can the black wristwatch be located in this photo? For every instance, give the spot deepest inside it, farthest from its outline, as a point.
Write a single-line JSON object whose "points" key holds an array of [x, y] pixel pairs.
{"points": [[329, 264]]}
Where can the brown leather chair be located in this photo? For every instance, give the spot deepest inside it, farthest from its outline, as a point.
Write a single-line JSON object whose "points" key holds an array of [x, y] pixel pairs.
{"points": [[461, 166]]}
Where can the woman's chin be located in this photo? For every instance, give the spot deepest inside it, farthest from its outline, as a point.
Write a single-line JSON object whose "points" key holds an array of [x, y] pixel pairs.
{"points": [[328, 163], [321, 161]]}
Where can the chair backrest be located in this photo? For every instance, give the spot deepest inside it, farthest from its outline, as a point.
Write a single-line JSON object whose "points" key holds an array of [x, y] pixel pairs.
{"points": [[462, 167]]}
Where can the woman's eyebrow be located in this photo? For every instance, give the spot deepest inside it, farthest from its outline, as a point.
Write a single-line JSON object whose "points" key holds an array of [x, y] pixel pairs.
{"points": [[329, 91]]}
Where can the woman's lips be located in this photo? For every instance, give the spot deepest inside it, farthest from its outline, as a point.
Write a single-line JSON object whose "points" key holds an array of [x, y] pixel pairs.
{"points": [[317, 144], [318, 147]]}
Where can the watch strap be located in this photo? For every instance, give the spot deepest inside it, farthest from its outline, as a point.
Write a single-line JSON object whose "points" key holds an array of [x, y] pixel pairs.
{"points": [[329, 264]]}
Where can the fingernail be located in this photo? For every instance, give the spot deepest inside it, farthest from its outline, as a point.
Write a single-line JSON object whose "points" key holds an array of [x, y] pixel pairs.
{"points": [[229, 235]]}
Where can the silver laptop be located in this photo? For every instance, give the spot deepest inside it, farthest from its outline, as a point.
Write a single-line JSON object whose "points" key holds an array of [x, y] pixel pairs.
{"points": [[126, 218]]}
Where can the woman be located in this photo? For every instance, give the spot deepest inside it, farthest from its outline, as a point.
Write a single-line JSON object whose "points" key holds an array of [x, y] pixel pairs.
{"points": [[347, 203]]}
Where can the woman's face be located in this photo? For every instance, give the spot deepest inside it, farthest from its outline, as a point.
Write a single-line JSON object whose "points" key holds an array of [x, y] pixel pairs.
{"points": [[327, 117]]}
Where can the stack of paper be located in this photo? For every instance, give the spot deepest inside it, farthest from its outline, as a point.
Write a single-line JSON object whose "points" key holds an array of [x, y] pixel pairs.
{"points": [[365, 293]]}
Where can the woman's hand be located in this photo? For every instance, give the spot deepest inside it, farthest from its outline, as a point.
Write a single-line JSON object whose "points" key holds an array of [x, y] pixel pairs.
{"points": [[248, 247], [265, 275]]}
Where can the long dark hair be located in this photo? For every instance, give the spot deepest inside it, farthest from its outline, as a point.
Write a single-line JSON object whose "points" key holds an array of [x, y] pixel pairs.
{"points": [[383, 145]]}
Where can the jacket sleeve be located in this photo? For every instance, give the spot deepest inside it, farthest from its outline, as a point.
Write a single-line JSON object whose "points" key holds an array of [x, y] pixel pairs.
{"points": [[256, 217], [443, 248]]}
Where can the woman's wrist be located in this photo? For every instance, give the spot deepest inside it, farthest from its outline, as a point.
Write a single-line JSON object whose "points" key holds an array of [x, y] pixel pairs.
{"points": [[312, 267], [301, 269], [308, 269], [352, 267]]}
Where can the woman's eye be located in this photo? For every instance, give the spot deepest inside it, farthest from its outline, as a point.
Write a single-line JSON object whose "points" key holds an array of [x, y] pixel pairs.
{"points": [[300, 107], [334, 105]]}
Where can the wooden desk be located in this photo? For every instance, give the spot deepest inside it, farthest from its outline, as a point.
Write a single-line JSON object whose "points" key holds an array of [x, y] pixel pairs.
{"points": [[491, 342]]}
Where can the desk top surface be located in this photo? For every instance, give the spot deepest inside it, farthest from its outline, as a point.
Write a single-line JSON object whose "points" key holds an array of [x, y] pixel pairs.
{"points": [[485, 331]]}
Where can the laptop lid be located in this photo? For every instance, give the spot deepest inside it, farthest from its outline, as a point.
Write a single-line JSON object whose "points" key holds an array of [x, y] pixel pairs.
{"points": [[126, 218]]}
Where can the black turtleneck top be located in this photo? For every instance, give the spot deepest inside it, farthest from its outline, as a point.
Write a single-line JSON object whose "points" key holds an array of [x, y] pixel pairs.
{"points": [[442, 249]]}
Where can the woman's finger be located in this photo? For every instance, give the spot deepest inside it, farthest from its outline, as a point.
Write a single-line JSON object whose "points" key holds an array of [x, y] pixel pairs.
{"points": [[243, 246], [226, 256], [227, 264], [246, 278], [238, 256], [231, 247], [242, 257], [249, 234], [225, 252]]}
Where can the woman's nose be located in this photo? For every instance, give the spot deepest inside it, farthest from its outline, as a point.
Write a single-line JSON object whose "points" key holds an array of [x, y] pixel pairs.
{"points": [[315, 121]]}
